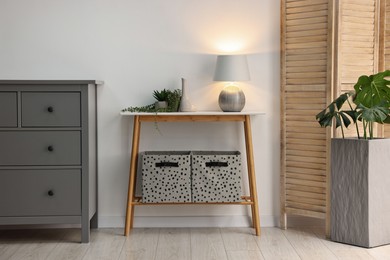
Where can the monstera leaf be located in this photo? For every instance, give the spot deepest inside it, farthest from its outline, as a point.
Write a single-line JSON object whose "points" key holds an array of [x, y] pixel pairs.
{"points": [[377, 113], [333, 111], [373, 90]]}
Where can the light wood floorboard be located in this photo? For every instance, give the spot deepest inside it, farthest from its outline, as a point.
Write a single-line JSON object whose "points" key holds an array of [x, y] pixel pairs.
{"points": [[70, 248], [343, 251], [105, 244], [182, 244], [239, 239], [12, 240], [307, 245], [380, 253], [207, 244], [141, 244], [245, 255], [174, 244], [274, 245], [36, 246]]}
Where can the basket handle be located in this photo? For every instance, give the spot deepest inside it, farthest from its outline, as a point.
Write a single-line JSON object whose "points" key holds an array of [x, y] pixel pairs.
{"points": [[216, 164], [167, 164]]}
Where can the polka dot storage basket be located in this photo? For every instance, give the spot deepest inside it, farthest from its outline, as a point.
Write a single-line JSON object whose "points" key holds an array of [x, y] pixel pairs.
{"points": [[216, 176], [166, 176]]}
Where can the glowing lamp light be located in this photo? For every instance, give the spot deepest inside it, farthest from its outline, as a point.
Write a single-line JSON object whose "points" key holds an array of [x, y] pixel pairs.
{"points": [[230, 46], [231, 68]]}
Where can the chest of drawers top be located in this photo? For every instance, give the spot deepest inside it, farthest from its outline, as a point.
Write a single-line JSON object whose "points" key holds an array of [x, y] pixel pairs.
{"points": [[30, 83]]}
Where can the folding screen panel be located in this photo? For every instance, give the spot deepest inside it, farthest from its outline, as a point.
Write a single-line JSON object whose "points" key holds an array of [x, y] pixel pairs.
{"points": [[356, 45], [306, 45]]}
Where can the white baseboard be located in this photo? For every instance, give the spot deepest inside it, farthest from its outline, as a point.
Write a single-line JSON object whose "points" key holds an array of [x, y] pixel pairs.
{"points": [[199, 221]]}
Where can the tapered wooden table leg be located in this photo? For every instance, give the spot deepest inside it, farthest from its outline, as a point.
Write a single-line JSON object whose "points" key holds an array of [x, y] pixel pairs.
{"points": [[251, 174], [132, 175]]}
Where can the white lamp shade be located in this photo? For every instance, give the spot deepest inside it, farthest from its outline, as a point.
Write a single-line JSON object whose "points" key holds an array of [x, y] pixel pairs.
{"points": [[231, 68]]}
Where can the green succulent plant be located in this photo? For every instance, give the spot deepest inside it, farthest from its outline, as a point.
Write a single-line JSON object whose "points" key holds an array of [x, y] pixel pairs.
{"points": [[161, 95]]}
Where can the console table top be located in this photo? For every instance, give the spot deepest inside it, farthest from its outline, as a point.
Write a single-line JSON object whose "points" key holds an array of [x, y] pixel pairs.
{"points": [[197, 113], [49, 82]]}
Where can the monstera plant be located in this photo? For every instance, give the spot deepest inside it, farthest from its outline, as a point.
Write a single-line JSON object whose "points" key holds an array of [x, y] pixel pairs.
{"points": [[360, 179], [368, 103]]}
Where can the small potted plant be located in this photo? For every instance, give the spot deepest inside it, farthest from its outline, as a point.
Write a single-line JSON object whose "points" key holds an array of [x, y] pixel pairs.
{"points": [[167, 101], [161, 97], [360, 166]]}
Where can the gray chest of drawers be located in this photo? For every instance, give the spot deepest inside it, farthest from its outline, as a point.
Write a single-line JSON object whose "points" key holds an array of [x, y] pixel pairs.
{"points": [[48, 172]]}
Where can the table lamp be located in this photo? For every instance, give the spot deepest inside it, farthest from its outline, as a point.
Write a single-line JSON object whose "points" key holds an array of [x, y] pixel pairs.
{"points": [[231, 68]]}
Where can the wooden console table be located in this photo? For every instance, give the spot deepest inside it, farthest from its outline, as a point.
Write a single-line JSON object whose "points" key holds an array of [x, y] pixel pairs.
{"points": [[211, 116]]}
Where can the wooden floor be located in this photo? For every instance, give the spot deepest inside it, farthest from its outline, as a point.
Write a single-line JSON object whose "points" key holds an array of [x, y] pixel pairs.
{"points": [[180, 244]]}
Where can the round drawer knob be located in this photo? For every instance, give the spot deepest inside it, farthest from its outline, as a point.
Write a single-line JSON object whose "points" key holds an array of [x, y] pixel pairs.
{"points": [[50, 148], [50, 109], [50, 193]]}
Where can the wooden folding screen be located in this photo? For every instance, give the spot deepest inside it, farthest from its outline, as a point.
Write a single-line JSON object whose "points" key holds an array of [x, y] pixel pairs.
{"points": [[325, 46], [306, 44]]}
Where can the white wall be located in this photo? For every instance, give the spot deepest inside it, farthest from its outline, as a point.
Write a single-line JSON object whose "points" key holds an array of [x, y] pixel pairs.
{"points": [[136, 47]]}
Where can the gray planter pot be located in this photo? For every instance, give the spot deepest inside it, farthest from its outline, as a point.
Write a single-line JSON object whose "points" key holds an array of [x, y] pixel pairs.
{"points": [[160, 104], [360, 191]]}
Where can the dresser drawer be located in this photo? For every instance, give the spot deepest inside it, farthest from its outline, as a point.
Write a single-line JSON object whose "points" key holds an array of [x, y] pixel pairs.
{"points": [[40, 192], [51, 109], [8, 109], [40, 148]]}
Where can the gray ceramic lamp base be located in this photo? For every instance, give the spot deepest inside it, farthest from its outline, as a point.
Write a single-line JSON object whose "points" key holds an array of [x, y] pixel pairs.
{"points": [[231, 101]]}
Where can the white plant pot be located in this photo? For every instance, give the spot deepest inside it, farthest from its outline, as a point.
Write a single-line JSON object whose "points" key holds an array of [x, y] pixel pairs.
{"points": [[360, 191]]}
